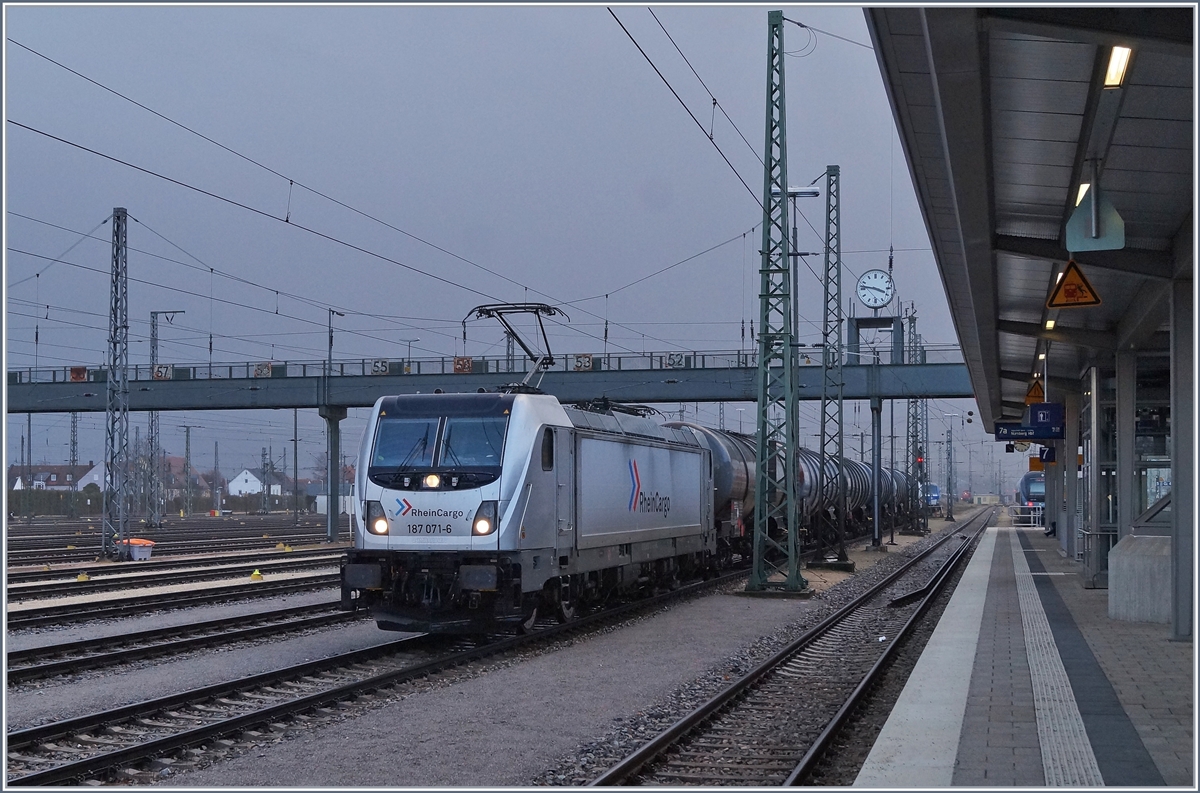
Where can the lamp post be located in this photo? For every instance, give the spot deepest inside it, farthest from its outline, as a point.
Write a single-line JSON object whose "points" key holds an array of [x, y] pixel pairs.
{"points": [[793, 193], [329, 359], [333, 417], [950, 458], [156, 469], [408, 357]]}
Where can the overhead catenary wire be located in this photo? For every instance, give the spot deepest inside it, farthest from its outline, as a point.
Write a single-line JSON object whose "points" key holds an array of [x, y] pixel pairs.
{"points": [[202, 267], [266, 214], [58, 258], [180, 290], [686, 108], [711, 95], [287, 217], [710, 249]]}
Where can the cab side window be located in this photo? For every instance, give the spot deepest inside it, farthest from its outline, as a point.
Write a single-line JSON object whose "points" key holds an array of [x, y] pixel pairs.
{"points": [[548, 450]]}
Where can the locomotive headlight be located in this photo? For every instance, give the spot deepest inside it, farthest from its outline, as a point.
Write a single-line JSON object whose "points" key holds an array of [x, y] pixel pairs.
{"points": [[433, 481], [377, 522], [484, 521]]}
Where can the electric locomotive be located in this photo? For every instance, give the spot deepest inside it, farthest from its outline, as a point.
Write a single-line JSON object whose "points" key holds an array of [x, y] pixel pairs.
{"points": [[477, 510]]}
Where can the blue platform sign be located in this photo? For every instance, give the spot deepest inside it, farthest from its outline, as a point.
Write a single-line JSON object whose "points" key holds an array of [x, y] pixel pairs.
{"points": [[1012, 431], [1044, 414]]}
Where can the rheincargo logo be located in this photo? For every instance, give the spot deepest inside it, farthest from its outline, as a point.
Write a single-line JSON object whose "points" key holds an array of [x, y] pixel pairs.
{"points": [[408, 510], [645, 502]]}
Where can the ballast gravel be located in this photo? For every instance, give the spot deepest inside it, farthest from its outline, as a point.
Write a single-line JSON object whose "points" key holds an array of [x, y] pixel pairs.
{"points": [[548, 717], [54, 699]]}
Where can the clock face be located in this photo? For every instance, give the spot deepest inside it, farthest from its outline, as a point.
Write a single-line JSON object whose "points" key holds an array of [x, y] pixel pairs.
{"points": [[875, 289]]}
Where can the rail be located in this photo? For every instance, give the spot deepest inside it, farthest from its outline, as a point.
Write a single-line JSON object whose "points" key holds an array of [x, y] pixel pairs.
{"points": [[67, 752], [758, 753]]}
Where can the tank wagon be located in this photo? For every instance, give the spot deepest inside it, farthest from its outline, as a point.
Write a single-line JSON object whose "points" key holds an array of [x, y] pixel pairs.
{"points": [[478, 511]]}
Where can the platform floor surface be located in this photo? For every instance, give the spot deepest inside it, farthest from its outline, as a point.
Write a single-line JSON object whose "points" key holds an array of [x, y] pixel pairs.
{"points": [[1026, 682]]}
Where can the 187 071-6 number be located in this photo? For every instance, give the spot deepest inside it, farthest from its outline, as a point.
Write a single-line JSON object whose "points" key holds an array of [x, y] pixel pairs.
{"points": [[429, 528]]}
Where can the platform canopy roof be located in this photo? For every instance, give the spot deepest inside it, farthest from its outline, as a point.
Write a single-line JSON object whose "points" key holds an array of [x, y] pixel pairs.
{"points": [[1002, 113]]}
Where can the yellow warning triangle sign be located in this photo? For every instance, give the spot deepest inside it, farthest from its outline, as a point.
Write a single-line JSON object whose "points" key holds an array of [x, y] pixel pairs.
{"points": [[1073, 290], [1036, 394]]}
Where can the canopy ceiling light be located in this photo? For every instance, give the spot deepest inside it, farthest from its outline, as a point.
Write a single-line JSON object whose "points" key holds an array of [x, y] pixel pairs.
{"points": [[1118, 61]]}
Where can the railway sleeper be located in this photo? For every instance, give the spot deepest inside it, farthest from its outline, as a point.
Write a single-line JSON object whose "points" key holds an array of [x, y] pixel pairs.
{"points": [[751, 763], [58, 747], [89, 740]]}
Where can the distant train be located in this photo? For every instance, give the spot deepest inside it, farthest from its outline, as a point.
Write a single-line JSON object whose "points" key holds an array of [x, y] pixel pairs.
{"points": [[477, 511], [1031, 489]]}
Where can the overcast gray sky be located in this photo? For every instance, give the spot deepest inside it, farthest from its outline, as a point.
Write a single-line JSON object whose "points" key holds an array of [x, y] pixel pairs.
{"points": [[534, 146]]}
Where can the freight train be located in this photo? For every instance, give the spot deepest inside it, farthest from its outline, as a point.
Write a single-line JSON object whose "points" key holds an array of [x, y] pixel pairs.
{"points": [[481, 511]]}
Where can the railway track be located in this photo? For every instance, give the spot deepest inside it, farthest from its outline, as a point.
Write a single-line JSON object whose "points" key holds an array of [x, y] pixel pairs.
{"points": [[124, 577], [90, 551], [773, 725], [137, 604], [171, 730], [71, 657], [65, 541], [26, 574]]}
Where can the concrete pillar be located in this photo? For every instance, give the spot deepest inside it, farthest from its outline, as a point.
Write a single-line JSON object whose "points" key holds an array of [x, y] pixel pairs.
{"points": [[1126, 424], [1068, 463], [1054, 489], [333, 416], [1183, 463]]}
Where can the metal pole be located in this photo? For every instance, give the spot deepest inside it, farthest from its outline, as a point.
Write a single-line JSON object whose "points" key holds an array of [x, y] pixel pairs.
{"points": [[333, 416], [776, 447], [295, 468], [876, 441], [152, 428], [950, 471], [29, 468], [116, 436], [832, 384], [892, 463], [263, 473], [154, 439], [72, 497], [187, 471], [217, 477]]}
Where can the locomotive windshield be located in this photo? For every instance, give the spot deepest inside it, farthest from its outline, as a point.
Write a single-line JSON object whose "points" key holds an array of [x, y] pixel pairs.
{"points": [[469, 446], [473, 442], [404, 443]]}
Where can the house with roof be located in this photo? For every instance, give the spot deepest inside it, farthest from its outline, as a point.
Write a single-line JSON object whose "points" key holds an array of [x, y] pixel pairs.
{"points": [[50, 477], [175, 485], [250, 482]]}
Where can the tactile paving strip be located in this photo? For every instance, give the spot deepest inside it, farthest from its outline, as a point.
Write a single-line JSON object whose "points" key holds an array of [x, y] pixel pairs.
{"points": [[1067, 755]]}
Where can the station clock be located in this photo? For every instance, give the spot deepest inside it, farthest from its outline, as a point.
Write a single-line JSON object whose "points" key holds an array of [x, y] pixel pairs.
{"points": [[875, 288]]}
